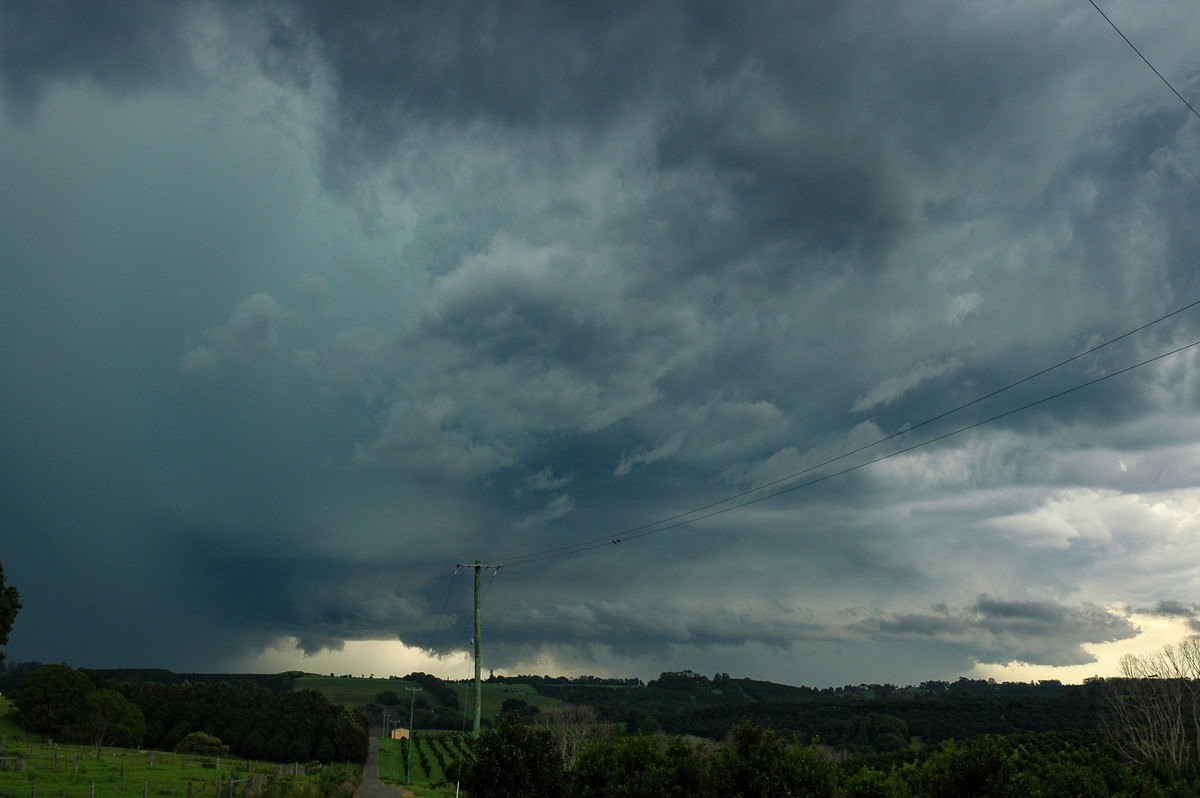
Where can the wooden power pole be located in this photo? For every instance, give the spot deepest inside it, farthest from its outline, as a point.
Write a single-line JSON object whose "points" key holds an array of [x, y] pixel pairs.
{"points": [[478, 566]]}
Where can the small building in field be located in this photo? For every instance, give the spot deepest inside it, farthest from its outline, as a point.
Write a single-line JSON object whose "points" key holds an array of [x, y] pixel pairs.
{"points": [[400, 734]]}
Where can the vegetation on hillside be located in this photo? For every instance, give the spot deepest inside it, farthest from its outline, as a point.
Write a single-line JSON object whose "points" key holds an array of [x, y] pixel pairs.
{"points": [[81, 706], [61, 769], [517, 759]]}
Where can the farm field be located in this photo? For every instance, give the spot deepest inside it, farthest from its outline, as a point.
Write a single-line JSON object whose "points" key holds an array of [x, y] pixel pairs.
{"points": [[352, 691], [357, 692], [494, 696], [34, 768], [431, 755]]}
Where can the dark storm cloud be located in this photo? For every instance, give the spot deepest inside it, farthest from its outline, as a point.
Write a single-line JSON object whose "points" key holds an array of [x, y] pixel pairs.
{"points": [[1034, 632], [323, 297], [129, 45]]}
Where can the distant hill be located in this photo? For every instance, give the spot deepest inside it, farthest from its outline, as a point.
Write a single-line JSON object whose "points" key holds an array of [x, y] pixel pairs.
{"points": [[276, 683], [872, 717]]}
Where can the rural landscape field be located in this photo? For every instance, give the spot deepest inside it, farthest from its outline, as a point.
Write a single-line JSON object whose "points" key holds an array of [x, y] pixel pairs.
{"points": [[599, 398], [682, 734]]}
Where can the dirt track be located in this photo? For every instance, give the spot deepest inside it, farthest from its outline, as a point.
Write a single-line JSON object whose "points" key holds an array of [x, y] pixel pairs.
{"points": [[371, 786]]}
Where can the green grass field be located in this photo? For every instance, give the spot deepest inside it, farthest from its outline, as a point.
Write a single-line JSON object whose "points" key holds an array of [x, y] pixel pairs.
{"points": [[432, 751], [494, 696], [357, 692], [353, 691], [75, 771]]}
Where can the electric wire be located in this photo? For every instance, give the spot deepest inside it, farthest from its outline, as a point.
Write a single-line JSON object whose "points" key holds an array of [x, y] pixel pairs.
{"points": [[668, 522], [1146, 60], [442, 611], [881, 458]]}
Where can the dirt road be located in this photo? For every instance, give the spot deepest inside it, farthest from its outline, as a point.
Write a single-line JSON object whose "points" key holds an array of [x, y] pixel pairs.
{"points": [[371, 786]]}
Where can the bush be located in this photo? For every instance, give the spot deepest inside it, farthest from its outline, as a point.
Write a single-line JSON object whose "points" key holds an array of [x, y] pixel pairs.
{"points": [[201, 743]]}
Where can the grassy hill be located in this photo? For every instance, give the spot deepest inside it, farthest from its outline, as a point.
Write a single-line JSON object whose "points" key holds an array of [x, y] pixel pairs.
{"points": [[33, 767], [355, 692], [359, 692]]}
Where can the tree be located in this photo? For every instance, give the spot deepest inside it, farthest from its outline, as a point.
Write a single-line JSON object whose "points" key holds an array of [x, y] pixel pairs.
{"points": [[201, 743], [980, 768], [518, 707], [350, 738], [640, 765], [756, 762], [573, 728], [53, 701], [514, 761], [113, 719], [1153, 710], [387, 699], [10, 604]]}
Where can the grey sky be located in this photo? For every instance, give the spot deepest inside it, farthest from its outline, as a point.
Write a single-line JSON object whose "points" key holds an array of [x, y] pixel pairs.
{"points": [[302, 303]]}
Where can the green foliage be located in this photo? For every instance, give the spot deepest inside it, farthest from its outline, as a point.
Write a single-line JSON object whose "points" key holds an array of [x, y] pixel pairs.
{"points": [[53, 702], [514, 761], [111, 719], [642, 765], [756, 762], [62, 769], [518, 707], [10, 605], [201, 743], [295, 727], [868, 783], [350, 739], [387, 699], [976, 769]]}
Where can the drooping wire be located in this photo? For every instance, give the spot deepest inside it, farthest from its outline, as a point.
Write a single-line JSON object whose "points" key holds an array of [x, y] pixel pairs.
{"points": [[495, 572], [442, 611], [1146, 60], [682, 518]]}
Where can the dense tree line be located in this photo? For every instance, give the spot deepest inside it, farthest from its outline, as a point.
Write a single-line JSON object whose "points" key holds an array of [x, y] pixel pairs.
{"points": [[859, 718], [14, 673], [442, 692], [842, 723], [77, 706], [82, 706], [565, 680], [515, 759]]}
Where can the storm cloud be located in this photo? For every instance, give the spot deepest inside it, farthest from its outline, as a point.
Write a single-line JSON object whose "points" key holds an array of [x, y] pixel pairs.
{"points": [[304, 303]]}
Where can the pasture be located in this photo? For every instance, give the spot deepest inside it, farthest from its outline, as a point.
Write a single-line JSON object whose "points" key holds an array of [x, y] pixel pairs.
{"points": [[33, 768]]}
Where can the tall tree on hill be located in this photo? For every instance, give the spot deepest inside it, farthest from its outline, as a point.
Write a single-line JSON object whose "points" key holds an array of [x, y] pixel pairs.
{"points": [[112, 719], [53, 701], [10, 604], [1153, 711]]}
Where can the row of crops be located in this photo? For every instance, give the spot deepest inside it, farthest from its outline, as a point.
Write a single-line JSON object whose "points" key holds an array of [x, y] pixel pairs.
{"points": [[430, 758]]}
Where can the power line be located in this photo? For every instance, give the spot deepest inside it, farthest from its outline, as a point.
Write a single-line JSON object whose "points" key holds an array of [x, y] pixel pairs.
{"points": [[1146, 60], [678, 519], [442, 611], [684, 522]]}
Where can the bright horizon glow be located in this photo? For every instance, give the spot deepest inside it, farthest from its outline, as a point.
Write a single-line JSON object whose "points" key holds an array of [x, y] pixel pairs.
{"points": [[380, 658], [1155, 631], [383, 658]]}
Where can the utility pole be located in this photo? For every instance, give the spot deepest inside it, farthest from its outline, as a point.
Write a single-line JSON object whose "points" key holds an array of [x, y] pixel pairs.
{"points": [[412, 739], [478, 566]]}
